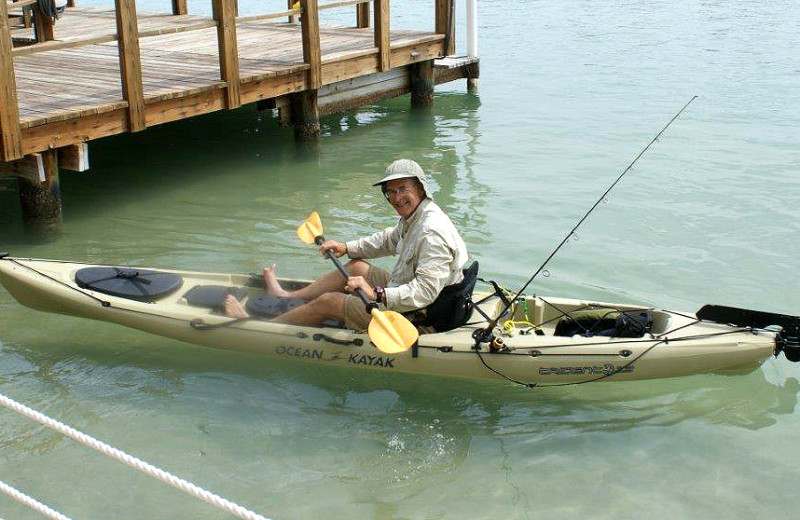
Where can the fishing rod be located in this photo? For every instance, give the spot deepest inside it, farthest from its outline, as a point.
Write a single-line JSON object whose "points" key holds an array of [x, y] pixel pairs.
{"points": [[484, 335]]}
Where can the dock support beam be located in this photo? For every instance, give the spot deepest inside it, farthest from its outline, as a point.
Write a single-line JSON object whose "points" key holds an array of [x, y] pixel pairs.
{"points": [[41, 200], [305, 116], [422, 83]]}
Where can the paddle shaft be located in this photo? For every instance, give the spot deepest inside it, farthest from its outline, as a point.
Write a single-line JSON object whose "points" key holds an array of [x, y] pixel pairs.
{"points": [[330, 254]]}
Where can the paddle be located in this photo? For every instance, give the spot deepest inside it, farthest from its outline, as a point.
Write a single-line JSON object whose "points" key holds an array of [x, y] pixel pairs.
{"points": [[390, 331]]}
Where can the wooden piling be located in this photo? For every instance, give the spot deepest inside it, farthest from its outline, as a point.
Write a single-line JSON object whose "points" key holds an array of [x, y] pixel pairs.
{"points": [[472, 73], [305, 116], [41, 200], [422, 83]]}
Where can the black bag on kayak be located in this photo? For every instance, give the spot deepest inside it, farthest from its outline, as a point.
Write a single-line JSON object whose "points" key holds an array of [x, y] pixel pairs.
{"points": [[453, 307], [608, 322], [633, 324]]}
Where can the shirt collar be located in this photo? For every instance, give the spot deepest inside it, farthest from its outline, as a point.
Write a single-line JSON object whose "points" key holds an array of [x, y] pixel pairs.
{"points": [[410, 221]]}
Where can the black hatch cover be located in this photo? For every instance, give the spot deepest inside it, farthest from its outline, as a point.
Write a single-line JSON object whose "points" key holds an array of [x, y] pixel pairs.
{"points": [[128, 282]]}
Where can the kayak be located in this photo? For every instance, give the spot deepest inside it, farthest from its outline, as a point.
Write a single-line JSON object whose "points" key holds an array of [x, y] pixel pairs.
{"points": [[540, 341]]}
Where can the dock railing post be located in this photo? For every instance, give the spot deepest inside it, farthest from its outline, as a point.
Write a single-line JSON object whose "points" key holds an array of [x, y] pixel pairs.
{"points": [[312, 54], [43, 28], [179, 7], [130, 63], [304, 107], [445, 24], [472, 28], [225, 16], [382, 41], [10, 132], [362, 15]]}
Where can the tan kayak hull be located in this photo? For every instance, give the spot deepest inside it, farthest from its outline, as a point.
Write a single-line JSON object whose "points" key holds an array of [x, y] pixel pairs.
{"points": [[681, 345]]}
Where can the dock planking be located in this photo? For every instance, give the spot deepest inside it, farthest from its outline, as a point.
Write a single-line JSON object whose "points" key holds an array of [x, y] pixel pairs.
{"points": [[77, 82], [101, 72]]}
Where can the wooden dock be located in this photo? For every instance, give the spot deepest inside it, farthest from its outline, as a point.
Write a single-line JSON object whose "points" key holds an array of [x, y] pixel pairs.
{"points": [[96, 73]]}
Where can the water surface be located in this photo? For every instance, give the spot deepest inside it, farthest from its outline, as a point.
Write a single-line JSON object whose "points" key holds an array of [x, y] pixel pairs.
{"points": [[570, 92]]}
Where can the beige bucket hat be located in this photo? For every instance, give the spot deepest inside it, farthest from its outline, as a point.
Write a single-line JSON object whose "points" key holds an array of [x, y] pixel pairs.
{"points": [[403, 169]]}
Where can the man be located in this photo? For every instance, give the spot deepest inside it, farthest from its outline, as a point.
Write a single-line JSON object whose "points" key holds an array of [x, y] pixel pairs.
{"points": [[431, 257]]}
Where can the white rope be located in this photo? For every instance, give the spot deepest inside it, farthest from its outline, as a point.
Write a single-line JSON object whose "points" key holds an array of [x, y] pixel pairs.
{"points": [[37, 506], [160, 474]]}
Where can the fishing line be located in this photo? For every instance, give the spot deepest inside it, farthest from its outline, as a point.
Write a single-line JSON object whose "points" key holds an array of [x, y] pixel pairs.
{"points": [[483, 335]]}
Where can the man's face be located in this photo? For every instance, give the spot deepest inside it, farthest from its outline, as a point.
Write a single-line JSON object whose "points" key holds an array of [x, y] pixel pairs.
{"points": [[404, 195]]}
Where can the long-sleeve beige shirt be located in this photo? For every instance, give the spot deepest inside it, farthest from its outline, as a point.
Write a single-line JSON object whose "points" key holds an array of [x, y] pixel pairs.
{"points": [[432, 255]]}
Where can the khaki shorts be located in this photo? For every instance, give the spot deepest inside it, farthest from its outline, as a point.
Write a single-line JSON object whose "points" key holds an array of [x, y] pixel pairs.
{"points": [[356, 316]]}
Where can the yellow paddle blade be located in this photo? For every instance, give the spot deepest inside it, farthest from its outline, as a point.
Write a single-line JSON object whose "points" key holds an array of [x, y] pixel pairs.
{"points": [[310, 229], [391, 332]]}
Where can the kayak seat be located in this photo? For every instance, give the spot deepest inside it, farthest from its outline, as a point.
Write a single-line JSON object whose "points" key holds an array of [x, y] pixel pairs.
{"points": [[212, 296], [453, 307], [141, 285]]}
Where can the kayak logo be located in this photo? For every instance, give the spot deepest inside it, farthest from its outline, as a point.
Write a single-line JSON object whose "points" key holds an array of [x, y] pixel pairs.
{"points": [[607, 369], [372, 361], [299, 352]]}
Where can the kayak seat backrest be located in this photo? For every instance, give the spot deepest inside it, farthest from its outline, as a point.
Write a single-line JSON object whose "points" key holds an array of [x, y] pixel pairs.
{"points": [[212, 296], [453, 307], [141, 285]]}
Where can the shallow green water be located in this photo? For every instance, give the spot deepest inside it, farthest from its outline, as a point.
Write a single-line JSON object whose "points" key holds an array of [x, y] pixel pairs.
{"points": [[571, 91]]}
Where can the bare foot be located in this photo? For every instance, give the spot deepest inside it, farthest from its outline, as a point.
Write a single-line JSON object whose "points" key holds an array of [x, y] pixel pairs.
{"points": [[233, 308], [271, 281]]}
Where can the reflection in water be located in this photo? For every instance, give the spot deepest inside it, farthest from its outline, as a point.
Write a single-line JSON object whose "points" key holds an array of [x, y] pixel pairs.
{"points": [[343, 435], [431, 417]]}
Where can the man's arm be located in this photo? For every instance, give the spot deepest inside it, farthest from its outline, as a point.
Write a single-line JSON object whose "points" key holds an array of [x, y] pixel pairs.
{"points": [[382, 243], [431, 275]]}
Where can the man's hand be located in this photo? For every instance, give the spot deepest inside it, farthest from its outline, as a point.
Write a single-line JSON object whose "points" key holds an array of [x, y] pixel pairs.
{"points": [[358, 282], [339, 249]]}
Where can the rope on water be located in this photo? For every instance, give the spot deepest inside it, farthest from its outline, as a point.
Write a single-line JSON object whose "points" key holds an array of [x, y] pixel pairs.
{"points": [[37, 506], [121, 456]]}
